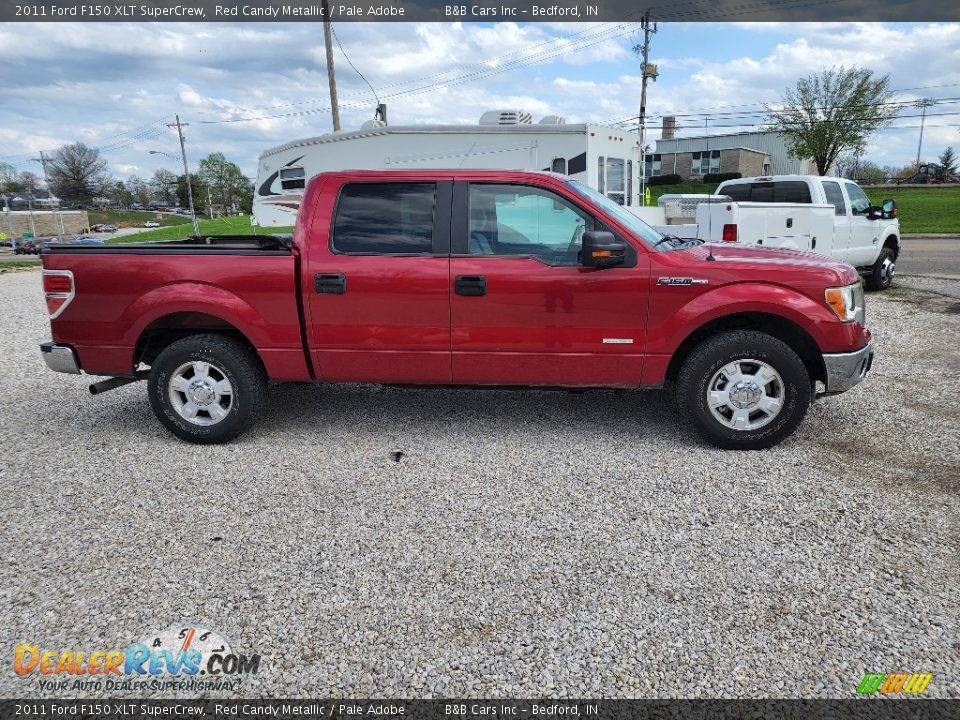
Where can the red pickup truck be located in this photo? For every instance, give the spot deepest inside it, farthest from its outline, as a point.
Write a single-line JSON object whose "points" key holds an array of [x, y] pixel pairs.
{"points": [[470, 278]]}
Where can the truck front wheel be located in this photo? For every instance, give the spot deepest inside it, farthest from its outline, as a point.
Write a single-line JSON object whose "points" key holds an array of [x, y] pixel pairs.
{"points": [[883, 270], [207, 388], [744, 390]]}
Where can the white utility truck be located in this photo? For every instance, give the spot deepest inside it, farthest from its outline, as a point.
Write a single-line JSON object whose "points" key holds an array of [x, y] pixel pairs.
{"points": [[825, 215]]}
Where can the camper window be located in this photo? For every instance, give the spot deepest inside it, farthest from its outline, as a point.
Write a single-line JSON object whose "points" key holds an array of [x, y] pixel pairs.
{"points": [[629, 182], [601, 175], [615, 180], [559, 165], [384, 219], [292, 178]]}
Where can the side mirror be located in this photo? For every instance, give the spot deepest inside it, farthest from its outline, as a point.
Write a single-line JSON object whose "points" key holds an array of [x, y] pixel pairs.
{"points": [[600, 249], [889, 209]]}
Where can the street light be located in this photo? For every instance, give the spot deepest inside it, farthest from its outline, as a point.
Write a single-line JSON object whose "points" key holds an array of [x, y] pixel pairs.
{"points": [[186, 171]]}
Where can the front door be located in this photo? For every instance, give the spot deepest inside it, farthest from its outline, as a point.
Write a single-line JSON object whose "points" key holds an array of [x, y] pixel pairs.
{"points": [[864, 232], [523, 310], [378, 308]]}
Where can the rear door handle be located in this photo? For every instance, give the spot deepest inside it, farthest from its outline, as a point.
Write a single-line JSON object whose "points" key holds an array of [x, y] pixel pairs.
{"points": [[330, 284], [470, 285]]}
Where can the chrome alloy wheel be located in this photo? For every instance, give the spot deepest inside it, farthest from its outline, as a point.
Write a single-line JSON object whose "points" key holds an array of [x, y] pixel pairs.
{"points": [[200, 393], [745, 394], [887, 270]]}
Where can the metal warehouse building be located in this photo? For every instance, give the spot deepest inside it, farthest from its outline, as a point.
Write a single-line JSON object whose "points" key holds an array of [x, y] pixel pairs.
{"points": [[748, 153]]}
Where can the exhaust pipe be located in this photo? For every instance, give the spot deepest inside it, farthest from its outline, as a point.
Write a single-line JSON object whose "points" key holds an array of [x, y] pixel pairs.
{"points": [[111, 384]]}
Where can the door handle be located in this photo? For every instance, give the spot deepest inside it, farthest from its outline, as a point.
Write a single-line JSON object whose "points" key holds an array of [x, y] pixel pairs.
{"points": [[330, 284], [470, 285]]}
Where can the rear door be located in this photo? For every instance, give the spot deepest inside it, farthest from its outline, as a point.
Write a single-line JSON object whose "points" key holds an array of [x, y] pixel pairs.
{"points": [[524, 311], [378, 309], [842, 229]]}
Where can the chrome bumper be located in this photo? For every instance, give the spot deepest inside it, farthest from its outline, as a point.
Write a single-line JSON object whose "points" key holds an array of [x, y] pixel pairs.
{"points": [[60, 358], [844, 370]]}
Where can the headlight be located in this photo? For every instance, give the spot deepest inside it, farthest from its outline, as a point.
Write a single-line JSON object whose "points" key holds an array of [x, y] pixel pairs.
{"points": [[847, 302]]}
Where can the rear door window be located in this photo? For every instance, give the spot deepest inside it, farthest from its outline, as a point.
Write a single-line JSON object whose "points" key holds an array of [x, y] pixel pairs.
{"points": [[384, 219], [835, 197]]}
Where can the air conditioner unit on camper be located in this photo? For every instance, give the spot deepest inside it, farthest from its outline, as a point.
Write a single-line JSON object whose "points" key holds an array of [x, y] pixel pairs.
{"points": [[553, 120], [506, 117], [373, 125]]}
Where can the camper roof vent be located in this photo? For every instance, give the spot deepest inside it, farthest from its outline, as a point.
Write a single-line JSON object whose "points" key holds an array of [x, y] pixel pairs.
{"points": [[506, 117], [553, 120], [373, 124]]}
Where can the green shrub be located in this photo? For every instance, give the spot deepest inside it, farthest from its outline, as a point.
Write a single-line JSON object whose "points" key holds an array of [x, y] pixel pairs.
{"points": [[665, 180]]}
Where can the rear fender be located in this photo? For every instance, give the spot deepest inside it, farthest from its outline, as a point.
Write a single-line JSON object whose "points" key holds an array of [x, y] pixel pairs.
{"points": [[195, 297]]}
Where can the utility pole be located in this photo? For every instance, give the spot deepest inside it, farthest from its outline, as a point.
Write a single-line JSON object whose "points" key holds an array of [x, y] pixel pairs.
{"points": [[649, 71], [43, 163], [923, 105], [331, 75], [186, 171]]}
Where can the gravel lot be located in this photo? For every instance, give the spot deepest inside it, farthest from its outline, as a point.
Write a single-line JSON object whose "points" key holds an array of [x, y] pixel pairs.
{"points": [[525, 544]]}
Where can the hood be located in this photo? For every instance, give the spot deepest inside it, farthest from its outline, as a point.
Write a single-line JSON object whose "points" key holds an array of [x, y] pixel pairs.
{"points": [[734, 256]]}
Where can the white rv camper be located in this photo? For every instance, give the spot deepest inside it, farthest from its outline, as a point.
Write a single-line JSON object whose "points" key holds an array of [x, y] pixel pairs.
{"points": [[602, 157]]}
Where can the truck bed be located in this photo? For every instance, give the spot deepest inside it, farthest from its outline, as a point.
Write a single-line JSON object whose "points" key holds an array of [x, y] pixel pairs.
{"points": [[126, 292]]}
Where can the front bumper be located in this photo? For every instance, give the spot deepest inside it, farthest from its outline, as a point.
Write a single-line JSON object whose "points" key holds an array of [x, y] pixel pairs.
{"points": [[60, 358], [844, 370]]}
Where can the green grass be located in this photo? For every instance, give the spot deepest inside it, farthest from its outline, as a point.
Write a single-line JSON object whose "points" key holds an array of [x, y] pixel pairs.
{"points": [[6, 266], [134, 218], [933, 209], [217, 226], [923, 210]]}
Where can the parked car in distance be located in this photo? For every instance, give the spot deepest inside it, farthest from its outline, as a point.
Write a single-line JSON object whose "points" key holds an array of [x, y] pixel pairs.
{"points": [[27, 247], [151, 224], [109, 227], [87, 240], [97, 228], [461, 278]]}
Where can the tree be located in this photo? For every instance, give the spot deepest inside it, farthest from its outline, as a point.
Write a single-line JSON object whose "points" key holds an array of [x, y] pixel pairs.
{"points": [[948, 161], [198, 191], [832, 111], [74, 170], [29, 181], [163, 184], [138, 188], [9, 179], [224, 178]]}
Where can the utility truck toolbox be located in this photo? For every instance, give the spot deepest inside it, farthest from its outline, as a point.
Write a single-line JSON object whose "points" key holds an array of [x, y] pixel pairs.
{"points": [[460, 278]]}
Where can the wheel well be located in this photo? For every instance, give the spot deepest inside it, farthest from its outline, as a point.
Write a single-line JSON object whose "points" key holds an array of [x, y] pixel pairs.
{"points": [[784, 330], [168, 329], [893, 243]]}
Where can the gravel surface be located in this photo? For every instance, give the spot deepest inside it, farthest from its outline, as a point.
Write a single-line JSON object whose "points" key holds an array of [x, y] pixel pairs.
{"points": [[524, 544]]}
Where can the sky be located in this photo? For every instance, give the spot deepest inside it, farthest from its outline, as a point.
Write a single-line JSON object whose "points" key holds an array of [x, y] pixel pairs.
{"points": [[244, 88]]}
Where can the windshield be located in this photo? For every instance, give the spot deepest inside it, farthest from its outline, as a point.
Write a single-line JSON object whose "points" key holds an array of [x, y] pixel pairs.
{"points": [[630, 221]]}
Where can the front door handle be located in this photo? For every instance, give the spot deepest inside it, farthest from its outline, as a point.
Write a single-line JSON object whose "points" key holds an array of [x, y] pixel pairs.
{"points": [[470, 285], [330, 284]]}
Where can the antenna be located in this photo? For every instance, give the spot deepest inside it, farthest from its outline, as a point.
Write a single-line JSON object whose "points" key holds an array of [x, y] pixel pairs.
{"points": [[706, 134]]}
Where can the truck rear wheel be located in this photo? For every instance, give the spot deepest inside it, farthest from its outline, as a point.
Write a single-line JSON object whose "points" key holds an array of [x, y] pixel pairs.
{"points": [[207, 388], [744, 390], [883, 270]]}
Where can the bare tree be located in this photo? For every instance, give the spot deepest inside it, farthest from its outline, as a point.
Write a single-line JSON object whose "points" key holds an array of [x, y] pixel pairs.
{"points": [[832, 111], [163, 184], [74, 170]]}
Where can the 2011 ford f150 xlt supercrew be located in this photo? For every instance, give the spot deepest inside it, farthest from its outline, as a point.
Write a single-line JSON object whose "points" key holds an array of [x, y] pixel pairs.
{"points": [[460, 277]]}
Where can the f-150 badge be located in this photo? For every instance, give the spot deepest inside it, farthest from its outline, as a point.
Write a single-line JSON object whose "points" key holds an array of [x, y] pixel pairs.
{"points": [[681, 281]]}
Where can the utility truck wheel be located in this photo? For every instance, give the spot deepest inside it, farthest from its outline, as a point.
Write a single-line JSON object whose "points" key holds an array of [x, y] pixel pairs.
{"points": [[883, 271], [207, 388], [743, 390]]}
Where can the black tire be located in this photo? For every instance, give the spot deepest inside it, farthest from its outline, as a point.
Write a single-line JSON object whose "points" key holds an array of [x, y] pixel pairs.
{"points": [[229, 359], [700, 369], [881, 277]]}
